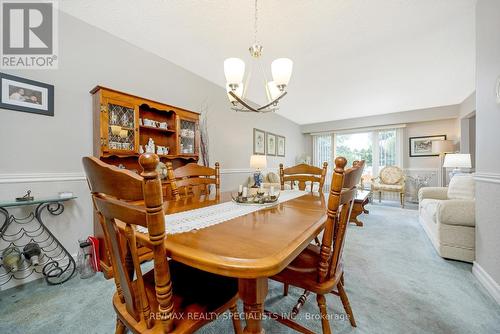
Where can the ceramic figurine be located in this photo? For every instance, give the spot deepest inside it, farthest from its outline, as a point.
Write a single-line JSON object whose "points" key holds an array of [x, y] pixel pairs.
{"points": [[150, 147]]}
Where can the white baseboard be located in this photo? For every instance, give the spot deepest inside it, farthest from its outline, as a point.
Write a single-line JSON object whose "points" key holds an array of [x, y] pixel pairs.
{"points": [[486, 281]]}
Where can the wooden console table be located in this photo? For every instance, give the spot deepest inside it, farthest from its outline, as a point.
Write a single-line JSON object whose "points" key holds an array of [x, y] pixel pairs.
{"points": [[362, 198]]}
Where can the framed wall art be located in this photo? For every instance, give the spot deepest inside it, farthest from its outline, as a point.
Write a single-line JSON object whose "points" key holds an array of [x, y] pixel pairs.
{"points": [[26, 95], [270, 143], [259, 142], [280, 148], [422, 146]]}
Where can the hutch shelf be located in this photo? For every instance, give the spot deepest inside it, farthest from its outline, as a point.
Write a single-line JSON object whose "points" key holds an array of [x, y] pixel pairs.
{"points": [[124, 124]]}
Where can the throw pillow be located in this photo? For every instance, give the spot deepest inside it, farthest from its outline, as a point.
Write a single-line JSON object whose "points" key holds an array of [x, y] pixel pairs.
{"points": [[461, 187], [273, 177]]}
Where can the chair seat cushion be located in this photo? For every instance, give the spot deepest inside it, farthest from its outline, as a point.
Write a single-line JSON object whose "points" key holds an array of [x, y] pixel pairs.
{"points": [[302, 272], [195, 292], [387, 187]]}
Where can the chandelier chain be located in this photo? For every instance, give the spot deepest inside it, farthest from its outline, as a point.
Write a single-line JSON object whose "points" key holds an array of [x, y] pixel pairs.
{"points": [[255, 23]]}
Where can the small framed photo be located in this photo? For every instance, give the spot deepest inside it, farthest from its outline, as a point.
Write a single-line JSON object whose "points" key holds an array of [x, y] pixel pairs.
{"points": [[270, 143], [259, 142], [26, 95], [422, 146], [280, 146]]}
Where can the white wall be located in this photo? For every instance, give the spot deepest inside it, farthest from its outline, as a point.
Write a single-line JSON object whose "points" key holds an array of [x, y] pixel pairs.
{"points": [[50, 148], [487, 265]]}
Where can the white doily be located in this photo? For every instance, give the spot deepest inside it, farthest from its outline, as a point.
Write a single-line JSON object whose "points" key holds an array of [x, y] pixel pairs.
{"points": [[215, 214]]}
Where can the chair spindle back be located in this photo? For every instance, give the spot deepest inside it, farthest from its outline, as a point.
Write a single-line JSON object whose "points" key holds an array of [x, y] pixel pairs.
{"points": [[193, 179], [122, 197], [303, 173], [342, 195]]}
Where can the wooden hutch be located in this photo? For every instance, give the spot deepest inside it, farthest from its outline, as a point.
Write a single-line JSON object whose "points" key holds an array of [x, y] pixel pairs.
{"points": [[123, 126]]}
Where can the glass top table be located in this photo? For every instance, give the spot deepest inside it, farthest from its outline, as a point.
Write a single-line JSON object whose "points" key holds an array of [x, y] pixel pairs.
{"points": [[14, 203]]}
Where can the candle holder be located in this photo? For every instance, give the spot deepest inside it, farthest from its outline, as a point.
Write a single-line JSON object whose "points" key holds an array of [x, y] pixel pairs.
{"points": [[257, 199]]}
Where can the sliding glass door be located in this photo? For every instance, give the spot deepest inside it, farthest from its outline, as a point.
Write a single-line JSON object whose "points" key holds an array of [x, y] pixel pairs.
{"points": [[379, 148]]}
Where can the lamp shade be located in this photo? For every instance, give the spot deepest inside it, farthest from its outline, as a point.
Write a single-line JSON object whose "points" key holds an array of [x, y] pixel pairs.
{"points": [[238, 91], [258, 161], [457, 161], [281, 69], [443, 146], [234, 69]]}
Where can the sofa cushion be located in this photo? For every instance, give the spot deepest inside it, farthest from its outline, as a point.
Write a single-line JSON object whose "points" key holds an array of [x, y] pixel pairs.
{"points": [[458, 212], [429, 207], [388, 187], [461, 187]]}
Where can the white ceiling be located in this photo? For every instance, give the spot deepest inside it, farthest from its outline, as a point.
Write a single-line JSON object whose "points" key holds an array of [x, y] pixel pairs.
{"points": [[352, 58]]}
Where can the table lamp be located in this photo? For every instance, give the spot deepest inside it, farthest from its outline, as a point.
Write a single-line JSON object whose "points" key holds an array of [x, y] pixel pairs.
{"points": [[456, 161], [258, 162]]}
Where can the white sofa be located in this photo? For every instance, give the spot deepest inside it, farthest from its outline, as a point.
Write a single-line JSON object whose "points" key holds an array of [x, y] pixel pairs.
{"points": [[448, 217]]}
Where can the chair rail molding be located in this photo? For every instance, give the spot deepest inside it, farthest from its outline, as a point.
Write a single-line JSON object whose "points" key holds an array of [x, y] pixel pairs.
{"points": [[41, 177], [487, 177], [486, 281]]}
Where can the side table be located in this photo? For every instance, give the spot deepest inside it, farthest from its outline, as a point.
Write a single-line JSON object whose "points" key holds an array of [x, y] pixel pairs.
{"points": [[362, 198], [55, 263]]}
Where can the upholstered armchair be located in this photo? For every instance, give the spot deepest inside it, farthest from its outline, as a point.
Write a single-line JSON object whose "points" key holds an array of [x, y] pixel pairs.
{"points": [[390, 179]]}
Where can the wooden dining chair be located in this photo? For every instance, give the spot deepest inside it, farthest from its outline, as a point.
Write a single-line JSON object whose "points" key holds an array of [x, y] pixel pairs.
{"points": [[301, 174], [319, 269], [193, 180], [172, 297]]}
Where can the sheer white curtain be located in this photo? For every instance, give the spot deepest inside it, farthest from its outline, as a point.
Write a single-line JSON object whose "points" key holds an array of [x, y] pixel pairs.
{"points": [[323, 152]]}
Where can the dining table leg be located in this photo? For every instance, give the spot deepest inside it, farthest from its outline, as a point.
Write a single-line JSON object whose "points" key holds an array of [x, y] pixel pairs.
{"points": [[253, 293]]}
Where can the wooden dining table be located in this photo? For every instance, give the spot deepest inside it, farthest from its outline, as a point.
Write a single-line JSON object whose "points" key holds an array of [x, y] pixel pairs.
{"points": [[250, 248]]}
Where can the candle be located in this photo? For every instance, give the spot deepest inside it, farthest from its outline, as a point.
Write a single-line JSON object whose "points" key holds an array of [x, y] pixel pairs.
{"points": [[245, 192], [271, 191], [240, 189], [261, 188]]}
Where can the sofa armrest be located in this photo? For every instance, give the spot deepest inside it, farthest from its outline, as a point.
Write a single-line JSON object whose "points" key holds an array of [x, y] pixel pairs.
{"points": [[457, 212], [433, 193]]}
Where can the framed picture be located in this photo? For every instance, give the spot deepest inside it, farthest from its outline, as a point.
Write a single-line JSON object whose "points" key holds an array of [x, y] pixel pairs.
{"points": [[280, 149], [259, 142], [270, 144], [26, 95], [422, 146]]}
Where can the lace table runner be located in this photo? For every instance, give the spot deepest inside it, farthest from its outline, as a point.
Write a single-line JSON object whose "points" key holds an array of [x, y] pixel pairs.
{"points": [[215, 214]]}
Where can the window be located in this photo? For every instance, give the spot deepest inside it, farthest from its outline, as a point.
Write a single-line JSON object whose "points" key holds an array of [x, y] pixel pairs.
{"points": [[379, 148], [356, 146]]}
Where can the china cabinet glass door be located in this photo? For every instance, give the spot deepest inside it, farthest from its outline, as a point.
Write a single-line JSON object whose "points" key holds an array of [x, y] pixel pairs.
{"points": [[121, 128], [188, 136]]}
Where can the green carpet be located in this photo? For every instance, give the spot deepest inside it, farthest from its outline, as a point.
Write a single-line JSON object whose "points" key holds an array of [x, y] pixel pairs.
{"points": [[395, 281]]}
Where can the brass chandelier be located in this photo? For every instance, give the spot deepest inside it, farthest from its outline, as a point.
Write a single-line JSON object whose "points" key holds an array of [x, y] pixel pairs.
{"points": [[234, 70]]}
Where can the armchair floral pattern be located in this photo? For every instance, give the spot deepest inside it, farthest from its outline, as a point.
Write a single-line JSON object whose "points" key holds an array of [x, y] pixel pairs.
{"points": [[390, 179]]}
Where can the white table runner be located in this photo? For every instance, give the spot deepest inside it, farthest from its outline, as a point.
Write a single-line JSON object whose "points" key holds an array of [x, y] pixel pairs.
{"points": [[215, 214]]}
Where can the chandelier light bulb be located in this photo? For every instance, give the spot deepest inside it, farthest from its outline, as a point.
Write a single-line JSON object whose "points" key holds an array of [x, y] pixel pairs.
{"points": [[238, 91], [281, 69], [234, 69]]}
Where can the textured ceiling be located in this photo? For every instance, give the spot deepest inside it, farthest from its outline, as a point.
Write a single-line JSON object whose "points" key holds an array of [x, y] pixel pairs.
{"points": [[351, 58]]}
